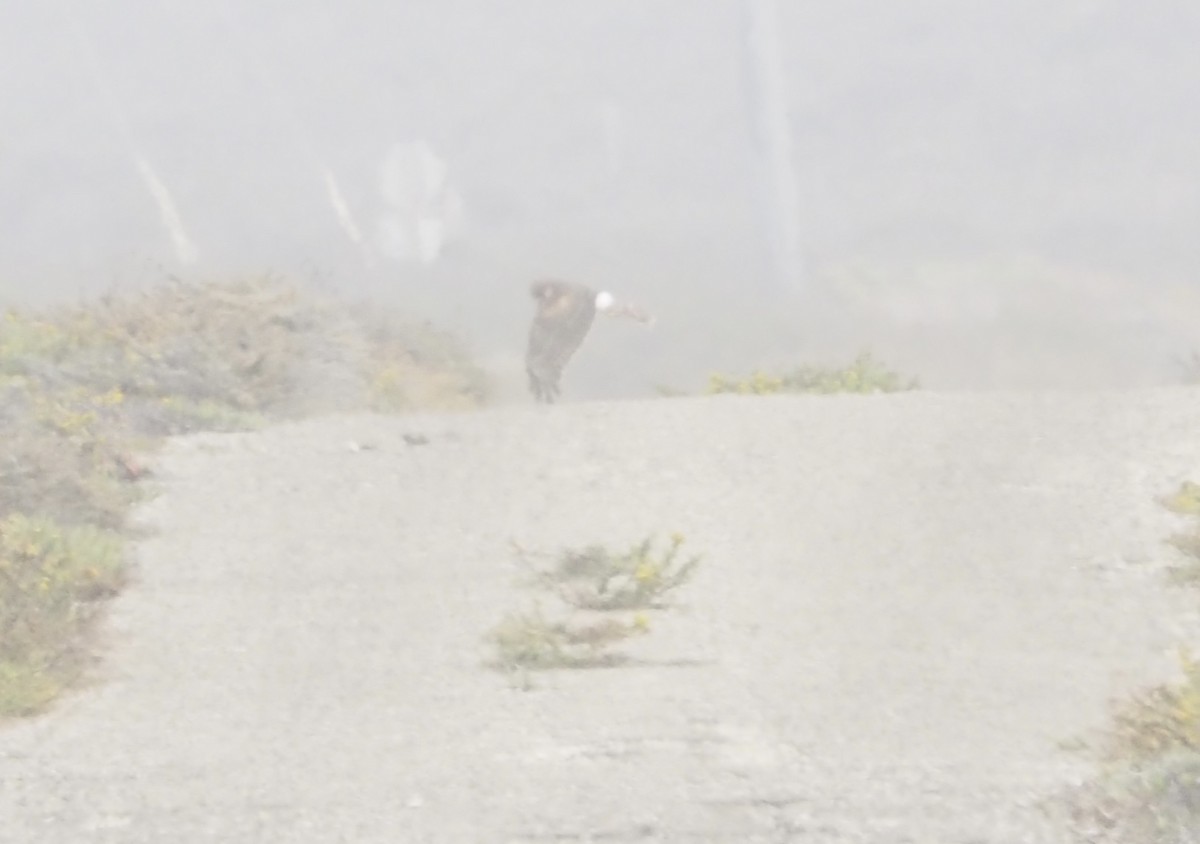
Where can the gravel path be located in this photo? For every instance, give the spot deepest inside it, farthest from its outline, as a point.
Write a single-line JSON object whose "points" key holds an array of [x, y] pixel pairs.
{"points": [[907, 602]]}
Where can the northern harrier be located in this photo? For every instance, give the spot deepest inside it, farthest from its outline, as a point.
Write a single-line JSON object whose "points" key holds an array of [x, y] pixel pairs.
{"points": [[565, 312]]}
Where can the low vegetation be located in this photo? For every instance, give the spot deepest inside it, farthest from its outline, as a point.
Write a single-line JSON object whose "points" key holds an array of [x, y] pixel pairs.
{"points": [[1148, 791], [415, 366], [603, 598], [1185, 501], [863, 375], [88, 391], [52, 582]]}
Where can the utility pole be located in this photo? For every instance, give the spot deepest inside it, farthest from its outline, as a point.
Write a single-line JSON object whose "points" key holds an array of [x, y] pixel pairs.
{"points": [[766, 98]]}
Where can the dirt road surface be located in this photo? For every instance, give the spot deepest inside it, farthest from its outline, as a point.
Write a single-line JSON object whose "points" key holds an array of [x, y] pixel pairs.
{"points": [[907, 605]]}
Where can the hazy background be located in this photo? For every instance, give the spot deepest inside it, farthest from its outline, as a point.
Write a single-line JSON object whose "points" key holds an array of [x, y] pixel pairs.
{"points": [[996, 193]]}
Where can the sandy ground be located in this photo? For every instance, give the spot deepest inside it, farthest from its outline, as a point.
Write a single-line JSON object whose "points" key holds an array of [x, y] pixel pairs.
{"points": [[907, 604]]}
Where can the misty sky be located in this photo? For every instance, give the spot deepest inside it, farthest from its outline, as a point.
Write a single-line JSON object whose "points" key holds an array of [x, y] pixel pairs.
{"points": [[921, 130]]}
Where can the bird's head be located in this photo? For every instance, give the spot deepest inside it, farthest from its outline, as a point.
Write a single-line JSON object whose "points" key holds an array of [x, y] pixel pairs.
{"points": [[547, 290]]}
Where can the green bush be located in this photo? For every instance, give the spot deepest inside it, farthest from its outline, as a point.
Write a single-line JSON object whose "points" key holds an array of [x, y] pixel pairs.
{"points": [[65, 454], [531, 641], [640, 577], [412, 365], [1158, 721], [863, 375], [51, 580], [1185, 501], [606, 598]]}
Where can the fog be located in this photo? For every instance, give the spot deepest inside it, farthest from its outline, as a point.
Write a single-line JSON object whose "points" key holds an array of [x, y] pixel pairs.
{"points": [[989, 194]]}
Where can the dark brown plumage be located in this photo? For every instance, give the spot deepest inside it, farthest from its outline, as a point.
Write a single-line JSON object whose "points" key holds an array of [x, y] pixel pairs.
{"points": [[565, 313]]}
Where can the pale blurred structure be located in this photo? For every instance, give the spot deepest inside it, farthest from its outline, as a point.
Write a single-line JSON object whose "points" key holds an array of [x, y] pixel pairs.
{"points": [[422, 209]]}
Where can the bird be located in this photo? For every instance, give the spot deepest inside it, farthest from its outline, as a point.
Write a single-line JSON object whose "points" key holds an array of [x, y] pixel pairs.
{"points": [[565, 313]]}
